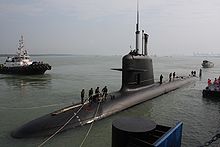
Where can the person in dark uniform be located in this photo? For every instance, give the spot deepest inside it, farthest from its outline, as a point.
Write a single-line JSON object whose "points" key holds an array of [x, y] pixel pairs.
{"points": [[97, 91], [192, 73], [200, 73], [97, 94], [161, 79], [170, 77], [105, 92], [174, 75], [90, 94], [82, 96]]}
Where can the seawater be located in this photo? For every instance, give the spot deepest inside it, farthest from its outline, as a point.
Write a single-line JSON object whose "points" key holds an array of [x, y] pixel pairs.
{"points": [[24, 98]]}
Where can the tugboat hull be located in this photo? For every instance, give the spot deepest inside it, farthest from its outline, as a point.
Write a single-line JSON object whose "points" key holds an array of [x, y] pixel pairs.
{"points": [[211, 91], [21, 64], [210, 94], [33, 69], [207, 64]]}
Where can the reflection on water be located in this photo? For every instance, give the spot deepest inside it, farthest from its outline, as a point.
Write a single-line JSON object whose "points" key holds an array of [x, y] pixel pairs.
{"points": [[36, 81], [212, 101]]}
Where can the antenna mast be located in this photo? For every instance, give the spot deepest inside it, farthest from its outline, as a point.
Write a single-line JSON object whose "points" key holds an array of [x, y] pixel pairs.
{"points": [[137, 28], [21, 50]]}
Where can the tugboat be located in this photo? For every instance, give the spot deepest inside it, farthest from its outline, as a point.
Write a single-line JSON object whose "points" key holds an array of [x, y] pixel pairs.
{"points": [[21, 63], [207, 64], [212, 90]]}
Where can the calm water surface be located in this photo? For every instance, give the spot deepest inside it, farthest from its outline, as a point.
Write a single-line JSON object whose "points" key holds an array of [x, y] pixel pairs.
{"points": [[23, 98]]}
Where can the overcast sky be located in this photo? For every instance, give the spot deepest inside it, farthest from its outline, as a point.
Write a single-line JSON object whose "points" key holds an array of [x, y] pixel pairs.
{"points": [[106, 27]]}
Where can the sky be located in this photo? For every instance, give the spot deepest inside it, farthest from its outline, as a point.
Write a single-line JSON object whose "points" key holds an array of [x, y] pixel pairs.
{"points": [[106, 27]]}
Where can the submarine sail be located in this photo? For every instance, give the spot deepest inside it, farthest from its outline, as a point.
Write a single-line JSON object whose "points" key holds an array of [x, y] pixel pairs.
{"points": [[137, 69]]}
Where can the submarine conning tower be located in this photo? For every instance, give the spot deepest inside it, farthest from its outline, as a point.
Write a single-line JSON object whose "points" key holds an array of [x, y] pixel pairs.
{"points": [[137, 69]]}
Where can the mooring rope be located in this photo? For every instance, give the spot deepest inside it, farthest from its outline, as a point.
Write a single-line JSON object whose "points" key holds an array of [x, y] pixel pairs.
{"points": [[61, 127], [90, 128]]}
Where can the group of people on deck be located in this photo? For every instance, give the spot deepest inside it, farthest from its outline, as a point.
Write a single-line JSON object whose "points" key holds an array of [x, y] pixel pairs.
{"points": [[193, 73], [98, 95], [170, 77], [215, 82]]}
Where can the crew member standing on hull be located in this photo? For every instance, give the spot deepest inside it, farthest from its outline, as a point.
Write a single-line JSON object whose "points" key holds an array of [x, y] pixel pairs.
{"points": [[192, 73], [105, 92], [200, 73], [170, 77], [195, 73], [90, 94], [174, 75], [161, 79], [97, 94], [82, 96]]}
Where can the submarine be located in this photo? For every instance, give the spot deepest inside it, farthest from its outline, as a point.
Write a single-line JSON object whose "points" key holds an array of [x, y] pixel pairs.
{"points": [[138, 86]]}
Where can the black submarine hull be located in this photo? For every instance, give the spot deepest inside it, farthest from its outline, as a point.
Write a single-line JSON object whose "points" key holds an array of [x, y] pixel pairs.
{"points": [[33, 69], [87, 113]]}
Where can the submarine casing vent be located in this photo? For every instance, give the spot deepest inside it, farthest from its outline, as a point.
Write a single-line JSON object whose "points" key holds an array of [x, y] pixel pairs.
{"points": [[137, 71]]}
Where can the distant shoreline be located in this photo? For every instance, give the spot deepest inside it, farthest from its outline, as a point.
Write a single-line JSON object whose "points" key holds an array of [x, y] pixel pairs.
{"points": [[9, 55], [32, 55]]}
